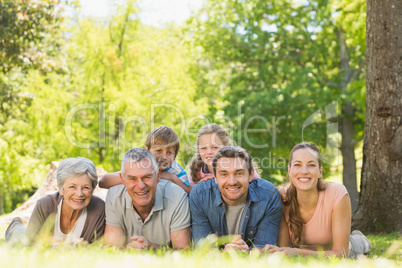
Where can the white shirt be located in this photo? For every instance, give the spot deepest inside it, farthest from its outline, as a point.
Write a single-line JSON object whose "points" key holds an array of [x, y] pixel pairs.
{"points": [[74, 236]]}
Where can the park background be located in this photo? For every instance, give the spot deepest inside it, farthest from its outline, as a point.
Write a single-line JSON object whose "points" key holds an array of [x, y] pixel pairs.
{"points": [[92, 78]]}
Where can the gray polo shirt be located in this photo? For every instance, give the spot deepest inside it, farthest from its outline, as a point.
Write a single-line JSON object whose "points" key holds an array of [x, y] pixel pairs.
{"points": [[170, 213]]}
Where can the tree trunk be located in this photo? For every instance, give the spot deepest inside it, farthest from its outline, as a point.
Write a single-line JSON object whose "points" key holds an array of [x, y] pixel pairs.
{"points": [[380, 203], [347, 130], [1, 202]]}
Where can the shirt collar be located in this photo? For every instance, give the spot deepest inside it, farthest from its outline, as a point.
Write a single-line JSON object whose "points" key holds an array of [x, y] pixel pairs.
{"points": [[252, 193]]}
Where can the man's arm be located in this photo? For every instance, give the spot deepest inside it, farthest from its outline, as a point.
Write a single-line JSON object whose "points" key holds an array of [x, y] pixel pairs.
{"points": [[267, 232], [114, 236], [181, 239], [201, 226]]}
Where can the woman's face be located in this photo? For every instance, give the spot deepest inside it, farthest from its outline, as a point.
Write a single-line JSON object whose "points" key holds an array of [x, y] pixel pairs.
{"points": [[304, 170], [208, 146], [77, 192]]}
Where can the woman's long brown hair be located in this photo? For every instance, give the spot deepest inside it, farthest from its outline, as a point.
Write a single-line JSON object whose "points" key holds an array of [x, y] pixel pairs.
{"points": [[289, 196]]}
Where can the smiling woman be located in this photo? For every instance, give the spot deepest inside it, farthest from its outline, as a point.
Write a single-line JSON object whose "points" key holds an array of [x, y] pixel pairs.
{"points": [[316, 215], [79, 216]]}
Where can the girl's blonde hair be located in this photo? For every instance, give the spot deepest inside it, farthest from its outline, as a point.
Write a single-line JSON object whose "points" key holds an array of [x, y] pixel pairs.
{"points": [[196, 162]]}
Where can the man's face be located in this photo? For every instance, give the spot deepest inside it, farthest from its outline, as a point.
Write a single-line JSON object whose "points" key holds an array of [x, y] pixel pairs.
{"points": [[141, 181], [232, 177], [164, 155]]}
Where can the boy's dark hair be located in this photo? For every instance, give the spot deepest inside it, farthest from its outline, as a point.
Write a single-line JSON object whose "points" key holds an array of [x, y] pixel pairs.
{"points": [[163, 136], [233, 152]]}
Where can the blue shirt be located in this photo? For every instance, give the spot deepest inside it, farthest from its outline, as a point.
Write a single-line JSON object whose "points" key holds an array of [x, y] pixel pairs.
{"points": [[179, 171], [259, 222]]}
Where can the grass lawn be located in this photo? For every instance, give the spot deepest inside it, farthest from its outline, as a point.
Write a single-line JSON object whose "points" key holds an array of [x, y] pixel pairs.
{"points": [[386, 252]]}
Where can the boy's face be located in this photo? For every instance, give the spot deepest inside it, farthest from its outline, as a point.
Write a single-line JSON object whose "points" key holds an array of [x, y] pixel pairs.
{"points": [[164, 155]]}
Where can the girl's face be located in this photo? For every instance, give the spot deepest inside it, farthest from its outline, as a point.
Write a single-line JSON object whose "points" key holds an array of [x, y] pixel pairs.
{"points": [[208, 146], [304, 170]]}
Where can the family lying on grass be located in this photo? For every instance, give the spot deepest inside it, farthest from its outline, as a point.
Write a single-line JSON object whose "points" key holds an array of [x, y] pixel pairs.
{"points": [[148, 206]]}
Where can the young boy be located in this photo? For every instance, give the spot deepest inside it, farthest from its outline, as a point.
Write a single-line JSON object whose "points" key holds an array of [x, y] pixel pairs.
{"points": [[164, 144]]}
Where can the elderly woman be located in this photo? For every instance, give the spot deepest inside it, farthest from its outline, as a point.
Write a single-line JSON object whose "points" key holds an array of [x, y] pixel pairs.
{"points": [[79, 216]]}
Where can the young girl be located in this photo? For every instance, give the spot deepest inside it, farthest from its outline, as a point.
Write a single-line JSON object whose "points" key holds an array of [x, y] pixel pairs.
{"points": [[316, 215], [210, 139]]}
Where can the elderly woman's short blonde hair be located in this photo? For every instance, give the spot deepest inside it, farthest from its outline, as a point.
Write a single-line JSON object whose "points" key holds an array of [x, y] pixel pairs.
{"points": [[74, 167]]}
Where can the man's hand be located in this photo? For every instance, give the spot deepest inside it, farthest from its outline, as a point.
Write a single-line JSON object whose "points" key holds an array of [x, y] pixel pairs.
{"points": [[237, 244], [139, 242]]}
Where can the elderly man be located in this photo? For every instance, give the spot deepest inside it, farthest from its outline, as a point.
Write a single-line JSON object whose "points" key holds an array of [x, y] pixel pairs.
{"points": [[234, 204], [143, 212]]}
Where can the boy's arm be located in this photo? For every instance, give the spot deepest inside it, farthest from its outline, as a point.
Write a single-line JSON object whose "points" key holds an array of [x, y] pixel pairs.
{"points": [[110, 179], [165, 175]]}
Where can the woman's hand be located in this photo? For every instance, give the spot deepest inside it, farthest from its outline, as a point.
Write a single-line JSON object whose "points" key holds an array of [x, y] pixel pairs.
{"points": [[268, 247], [288, 251]]}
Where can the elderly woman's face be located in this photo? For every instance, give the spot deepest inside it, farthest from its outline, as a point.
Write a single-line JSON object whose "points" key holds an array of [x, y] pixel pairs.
{"points": [[77, 192]]}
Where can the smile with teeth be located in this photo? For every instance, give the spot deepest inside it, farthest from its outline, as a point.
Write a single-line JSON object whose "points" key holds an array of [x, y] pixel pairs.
{"points": [[78, 200], [233, 189], [304, 179], [143, 193]]}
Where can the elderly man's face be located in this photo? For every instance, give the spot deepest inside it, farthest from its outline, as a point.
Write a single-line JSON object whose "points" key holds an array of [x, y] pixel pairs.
{"points": [[233, 177], [141, 180]]}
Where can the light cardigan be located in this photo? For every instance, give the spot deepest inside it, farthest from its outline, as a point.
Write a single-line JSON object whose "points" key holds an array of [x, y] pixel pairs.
{"points": [[94, 225]]}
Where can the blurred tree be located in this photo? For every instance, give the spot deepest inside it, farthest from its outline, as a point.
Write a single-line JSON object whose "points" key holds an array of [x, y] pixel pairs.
{"points": [[279, 66], [126, 78], [29, 39]]}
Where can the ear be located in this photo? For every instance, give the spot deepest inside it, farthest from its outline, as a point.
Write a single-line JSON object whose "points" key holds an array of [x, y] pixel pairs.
{"points": [[158, 176], [122, 179], [289, 170], [251, 175], [61, 193], [321, 169], [145, 147]]}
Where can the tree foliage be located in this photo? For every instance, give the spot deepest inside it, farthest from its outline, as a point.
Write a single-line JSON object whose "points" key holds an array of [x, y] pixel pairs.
{"points": [[280, 63]]}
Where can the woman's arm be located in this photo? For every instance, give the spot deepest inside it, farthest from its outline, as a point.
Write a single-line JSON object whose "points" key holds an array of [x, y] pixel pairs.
{"points": [[341, 221], [110, 179], [283, 235]]}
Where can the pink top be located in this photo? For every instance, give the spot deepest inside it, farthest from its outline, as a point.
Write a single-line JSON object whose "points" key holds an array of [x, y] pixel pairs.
{"points": [[211, 176], [317, 232]]}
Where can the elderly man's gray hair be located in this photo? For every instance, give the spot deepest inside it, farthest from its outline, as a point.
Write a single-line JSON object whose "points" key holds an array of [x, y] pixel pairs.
{"points": [[138, 154], [75, 167]]}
